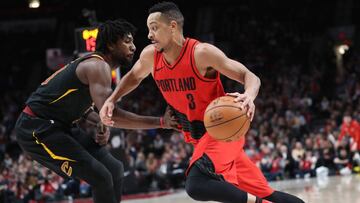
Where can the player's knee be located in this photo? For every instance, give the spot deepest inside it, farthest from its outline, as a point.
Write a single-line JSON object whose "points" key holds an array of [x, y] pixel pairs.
{"points": [[120, 169], [191, 190], [194, 190], [105, 177], [118, 173], [99, 176]]}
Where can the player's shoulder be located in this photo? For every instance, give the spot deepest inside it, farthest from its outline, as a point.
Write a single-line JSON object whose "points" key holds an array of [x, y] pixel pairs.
{"points": [[94, 62], [147, 55], [148, 51], [205, 49], [206, 54], [93, 65]]}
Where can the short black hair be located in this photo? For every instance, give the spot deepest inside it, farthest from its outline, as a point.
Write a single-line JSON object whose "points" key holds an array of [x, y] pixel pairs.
{"points": [[170, 10], [111, 31]]}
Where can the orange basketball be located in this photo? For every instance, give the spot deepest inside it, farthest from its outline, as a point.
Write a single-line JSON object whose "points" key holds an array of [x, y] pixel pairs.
{"points": [[225, 121]]}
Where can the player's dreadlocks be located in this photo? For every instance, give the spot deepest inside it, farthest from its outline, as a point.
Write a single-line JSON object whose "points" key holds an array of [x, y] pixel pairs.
{"points": [[111, 31]]}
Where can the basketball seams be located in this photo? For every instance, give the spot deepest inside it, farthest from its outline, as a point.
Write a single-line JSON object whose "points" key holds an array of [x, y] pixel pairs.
{"points": [[234, 133], [226, 121], [221, 106], [221, 115]]}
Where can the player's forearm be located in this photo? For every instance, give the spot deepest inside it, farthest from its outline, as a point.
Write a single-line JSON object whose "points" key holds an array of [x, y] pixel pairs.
{"points": [[252, 84], [125, 86], [128, 120]]}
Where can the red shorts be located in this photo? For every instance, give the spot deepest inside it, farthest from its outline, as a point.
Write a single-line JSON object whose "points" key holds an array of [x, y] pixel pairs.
{"points": [[232, 163]]}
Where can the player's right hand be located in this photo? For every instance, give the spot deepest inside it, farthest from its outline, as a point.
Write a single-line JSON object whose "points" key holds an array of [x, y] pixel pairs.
{"points": [[102, 134], [106, 113], [245, 101]]}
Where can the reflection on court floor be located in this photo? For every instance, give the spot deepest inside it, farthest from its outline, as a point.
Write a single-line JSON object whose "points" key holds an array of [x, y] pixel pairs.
{"points": [[339, 189]]}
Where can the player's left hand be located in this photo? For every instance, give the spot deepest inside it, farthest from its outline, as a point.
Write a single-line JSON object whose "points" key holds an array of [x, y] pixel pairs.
{"points": [[102, 134], [245, 102], [106, 112]]}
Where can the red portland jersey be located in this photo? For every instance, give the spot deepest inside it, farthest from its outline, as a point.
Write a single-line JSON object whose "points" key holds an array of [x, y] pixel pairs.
{"points": [[186, 90]]}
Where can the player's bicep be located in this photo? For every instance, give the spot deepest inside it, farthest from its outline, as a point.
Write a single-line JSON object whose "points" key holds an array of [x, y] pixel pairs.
{"points": [[99, 93], [211, 56], [99, 84], [140, 70], [143, 67], [232, 69]]}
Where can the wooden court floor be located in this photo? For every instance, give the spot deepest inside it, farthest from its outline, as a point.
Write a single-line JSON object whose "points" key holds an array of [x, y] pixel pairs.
{"points": [[338, 189]]}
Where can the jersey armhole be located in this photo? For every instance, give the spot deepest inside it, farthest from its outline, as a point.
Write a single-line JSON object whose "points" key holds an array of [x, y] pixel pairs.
{"points": [[97, 56], [196, 70], [155, 62]]}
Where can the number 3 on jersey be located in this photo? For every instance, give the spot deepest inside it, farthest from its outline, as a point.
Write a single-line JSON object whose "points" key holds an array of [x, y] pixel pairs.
{"points": [[191, 100]]}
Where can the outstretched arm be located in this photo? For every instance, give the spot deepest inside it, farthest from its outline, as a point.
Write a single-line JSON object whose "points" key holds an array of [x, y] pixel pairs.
{"points": [[99, 80], [141, 69]]}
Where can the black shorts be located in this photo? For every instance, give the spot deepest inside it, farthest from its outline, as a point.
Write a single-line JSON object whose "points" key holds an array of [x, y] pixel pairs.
{"points": [[63, 150], [206, 166]]}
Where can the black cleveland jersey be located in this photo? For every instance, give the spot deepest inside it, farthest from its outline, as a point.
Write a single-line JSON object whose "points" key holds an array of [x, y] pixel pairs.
{"points": [[62, 96]]}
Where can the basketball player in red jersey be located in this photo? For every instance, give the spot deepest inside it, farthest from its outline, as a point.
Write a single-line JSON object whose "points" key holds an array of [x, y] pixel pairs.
{"points": [[187, 74]]}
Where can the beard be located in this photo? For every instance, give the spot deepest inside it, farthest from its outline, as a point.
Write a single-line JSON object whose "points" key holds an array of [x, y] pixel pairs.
{"points": [[123, 61]]}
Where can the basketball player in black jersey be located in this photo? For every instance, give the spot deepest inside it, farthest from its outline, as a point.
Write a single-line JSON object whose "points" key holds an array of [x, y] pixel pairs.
{"points": [[44, 127]]}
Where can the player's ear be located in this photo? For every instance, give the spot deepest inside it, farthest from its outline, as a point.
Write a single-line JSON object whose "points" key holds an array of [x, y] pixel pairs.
{"points": [[173, 25]]}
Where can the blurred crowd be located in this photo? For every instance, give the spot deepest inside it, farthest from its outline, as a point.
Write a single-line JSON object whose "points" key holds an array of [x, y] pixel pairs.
{"points": [[306, 122]]}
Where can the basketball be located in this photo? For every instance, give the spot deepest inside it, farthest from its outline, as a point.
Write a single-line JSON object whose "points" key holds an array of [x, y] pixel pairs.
{"points": [[225, 121]]}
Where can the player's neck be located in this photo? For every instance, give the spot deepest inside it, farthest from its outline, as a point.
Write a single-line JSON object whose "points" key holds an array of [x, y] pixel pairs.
{"points": [[108, 60], [174, 50]]}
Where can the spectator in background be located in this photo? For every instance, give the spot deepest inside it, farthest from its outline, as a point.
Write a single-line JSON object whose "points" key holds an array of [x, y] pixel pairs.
{"points": [[326, 159], [152, 165], [297, 154], [350, 127], [163, 172], [265, 163], [140, 165], [277, 166], [48, 190], [307, 165], [158, 145], [8, 161], [3, 141], [342, 160], [85, 189], [309, 143]]}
